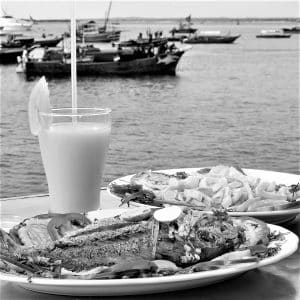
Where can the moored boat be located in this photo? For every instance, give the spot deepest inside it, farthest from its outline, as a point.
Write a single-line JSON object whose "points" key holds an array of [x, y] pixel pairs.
{"points": [[12, 48], [294, 29], [10, 24], [48, 41], [183, 31], [184, 27], [273, 34], [6, 33], [176, 38], [211, 37], [17, 41], [20, 41], [9, 55], [144, 42], [92, 32], [119, 61], [144, 66]]}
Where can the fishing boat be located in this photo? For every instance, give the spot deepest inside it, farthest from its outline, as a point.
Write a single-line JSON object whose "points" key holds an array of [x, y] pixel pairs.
{"points": [[9, 55], [49, 41], [176, 38], [27, 41], [140, 41], [294, 29], [92, 32], [17, 41], [211, 37], [6, 33], [129, 61], [185, 27], [273, 34], [10, 24], [13, 47]]}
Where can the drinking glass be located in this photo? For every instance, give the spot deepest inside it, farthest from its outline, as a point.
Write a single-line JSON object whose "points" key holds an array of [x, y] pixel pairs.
{"points": [[73, 145]]}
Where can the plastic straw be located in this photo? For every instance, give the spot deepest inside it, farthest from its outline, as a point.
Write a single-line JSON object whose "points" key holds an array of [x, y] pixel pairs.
{"points": [[73, 59]]}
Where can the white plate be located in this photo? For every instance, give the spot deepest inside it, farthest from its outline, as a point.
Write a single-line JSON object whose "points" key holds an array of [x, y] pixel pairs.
{"points": [[273, 217], [113, 287]]}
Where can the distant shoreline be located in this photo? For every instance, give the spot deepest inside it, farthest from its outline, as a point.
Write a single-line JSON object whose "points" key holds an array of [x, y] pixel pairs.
{"points": [[201, 20]]}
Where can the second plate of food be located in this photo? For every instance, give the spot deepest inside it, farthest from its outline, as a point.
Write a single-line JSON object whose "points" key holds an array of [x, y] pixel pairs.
{"points": [[273, 197]]}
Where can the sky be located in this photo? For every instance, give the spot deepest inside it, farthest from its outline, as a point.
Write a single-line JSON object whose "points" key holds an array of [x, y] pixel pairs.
{"points": [[61, 9]]}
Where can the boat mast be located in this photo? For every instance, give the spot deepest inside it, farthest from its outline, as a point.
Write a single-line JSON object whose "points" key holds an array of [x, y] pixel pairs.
{"points": [[107, 15], [189, 20], [4, 13]]}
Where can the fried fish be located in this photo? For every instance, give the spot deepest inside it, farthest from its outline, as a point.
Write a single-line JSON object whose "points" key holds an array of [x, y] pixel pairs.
{"points": [[77, 243]]}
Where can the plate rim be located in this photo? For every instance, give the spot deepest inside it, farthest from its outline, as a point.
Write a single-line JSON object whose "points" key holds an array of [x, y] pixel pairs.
{"points": [[284, 212]]}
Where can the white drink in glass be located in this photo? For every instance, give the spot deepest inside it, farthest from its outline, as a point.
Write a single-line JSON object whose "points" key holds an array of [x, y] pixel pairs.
{"points": [[73, 153]]}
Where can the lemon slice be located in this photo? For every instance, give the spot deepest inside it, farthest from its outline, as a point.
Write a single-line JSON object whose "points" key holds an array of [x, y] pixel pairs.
{"points": [[39, 101], [167, 214]]}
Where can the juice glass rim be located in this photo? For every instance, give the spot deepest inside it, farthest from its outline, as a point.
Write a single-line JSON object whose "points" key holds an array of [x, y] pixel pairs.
{"points": [[76, 112]]}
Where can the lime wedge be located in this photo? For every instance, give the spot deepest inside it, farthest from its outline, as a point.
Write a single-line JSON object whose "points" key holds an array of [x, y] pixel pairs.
{"points": [[39, 101]]}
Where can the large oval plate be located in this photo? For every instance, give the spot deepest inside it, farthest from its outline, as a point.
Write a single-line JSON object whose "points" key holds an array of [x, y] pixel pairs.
{"points": [[113, 287], [273, 217]]}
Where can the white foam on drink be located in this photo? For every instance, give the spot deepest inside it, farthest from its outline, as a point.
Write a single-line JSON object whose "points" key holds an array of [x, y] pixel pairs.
{"points": [[79, 128]]}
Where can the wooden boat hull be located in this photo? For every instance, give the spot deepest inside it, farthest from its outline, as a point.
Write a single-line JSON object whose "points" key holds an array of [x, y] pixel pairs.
{"points": [[48, 42], [144, 42], [28, 42], [273, 36], [211, 39], [146, 66], [103, 37], [291, 30], [9, 55], [18, 42], [176, 38], [184, 31], [6, 33]]}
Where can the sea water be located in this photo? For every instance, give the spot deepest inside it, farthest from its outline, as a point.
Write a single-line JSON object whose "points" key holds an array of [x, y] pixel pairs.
{"points": [[74, 157], [229, 104]]}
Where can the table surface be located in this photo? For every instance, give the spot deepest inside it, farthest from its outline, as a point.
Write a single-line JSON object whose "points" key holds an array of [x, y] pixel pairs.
{"points": [[277, 281]]}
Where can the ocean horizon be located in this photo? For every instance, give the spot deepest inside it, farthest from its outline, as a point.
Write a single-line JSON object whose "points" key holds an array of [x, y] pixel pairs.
{"points": [[195, 19]]}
